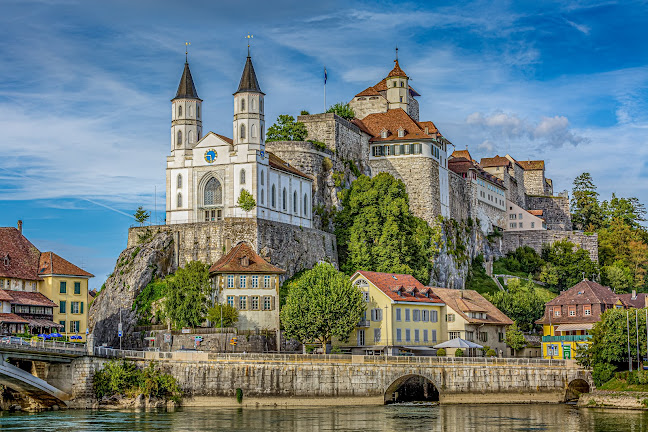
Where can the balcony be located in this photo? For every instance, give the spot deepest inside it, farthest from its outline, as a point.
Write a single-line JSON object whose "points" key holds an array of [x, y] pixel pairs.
{"points": [[567, 338], [363, 323]]}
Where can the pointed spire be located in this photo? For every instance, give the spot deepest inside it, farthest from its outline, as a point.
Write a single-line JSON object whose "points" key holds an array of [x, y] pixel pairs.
{"points": [[186, 88], [249, 82], [397, 71]]}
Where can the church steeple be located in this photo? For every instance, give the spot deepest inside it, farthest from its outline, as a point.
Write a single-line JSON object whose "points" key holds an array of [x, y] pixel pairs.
{"points": [[249, 82], [186, 88], [249, 121], [186, 107]]}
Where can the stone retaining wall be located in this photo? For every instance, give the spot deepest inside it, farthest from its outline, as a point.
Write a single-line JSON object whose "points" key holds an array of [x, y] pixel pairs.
{"points": [[536, 239], [556, 211]]}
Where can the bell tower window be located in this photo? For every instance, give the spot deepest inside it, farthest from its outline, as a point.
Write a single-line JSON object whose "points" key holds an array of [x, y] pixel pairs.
{"points": [[191, 137], [242, 131], [242, 104], [252, 104], [179, 181], [242, 176], [179, 110], [253, 133], [198, 111], [179, 200], [179, 138]]}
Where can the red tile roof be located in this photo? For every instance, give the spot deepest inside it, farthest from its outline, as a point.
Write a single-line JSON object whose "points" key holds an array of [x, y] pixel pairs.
{"points": [[400, 287], [224, 138], [30, 298], [461, 154], [465, 301], [494, 162], [52, 264], [428, 124], [9, 318], [536, 212], [583, 293], [638, 301], [392, 121], [18, 257], [532, 165], [380, 87], [397, 71], [369, 91], [235, 262], [280, 164], [4, 296], [462, 165]]}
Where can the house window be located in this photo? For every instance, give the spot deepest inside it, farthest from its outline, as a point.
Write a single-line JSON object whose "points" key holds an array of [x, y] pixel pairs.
{"points": [[255, 281], [266, 281], [434, 316], [556, 312], [242, 302], [408, 334], [62, 287], [434, 339], [501, 337], [230, 281], [361, 337], [587, 310], [377, 335], [407, 314], [399, 335], [74, 326], [572, 310], [74, 307], [365, 296], [383, 134], [230, 301], [520, 224], [243, 281], [267, 303], [242, 176], [401, 132], [77, 287], [470, 336], [483, 336], [453, 334], [450, 318], [532, 224], [417, 337], [63, 324], [62, 306], [425, 335], [425, 316], [398, 314], [376, 314], [416, 315], [255, 302]]}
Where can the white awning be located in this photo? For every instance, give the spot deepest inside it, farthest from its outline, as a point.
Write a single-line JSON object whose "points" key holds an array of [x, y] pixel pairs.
{"points": [[574, 327]]}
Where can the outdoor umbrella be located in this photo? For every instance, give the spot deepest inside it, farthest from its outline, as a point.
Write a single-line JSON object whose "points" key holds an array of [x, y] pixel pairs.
{"points": [[458, 343]]}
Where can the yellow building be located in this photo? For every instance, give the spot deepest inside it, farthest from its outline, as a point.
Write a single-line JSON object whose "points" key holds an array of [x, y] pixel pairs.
{"points": [[67, 286], [402, 315]]}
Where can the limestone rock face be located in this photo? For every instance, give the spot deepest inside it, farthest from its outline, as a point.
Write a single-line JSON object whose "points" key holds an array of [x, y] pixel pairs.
{"points": [[136, 267]]}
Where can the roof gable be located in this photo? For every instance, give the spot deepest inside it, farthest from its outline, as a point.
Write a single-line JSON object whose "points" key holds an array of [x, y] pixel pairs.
{"points": [[52, 264], [399, 287], [18, 256], [465, 301], [243, 259]]}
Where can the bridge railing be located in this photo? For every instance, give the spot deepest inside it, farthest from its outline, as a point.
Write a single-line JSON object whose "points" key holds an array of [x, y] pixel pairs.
{"points": [[117, 353], [490, 361], [30, 344]]}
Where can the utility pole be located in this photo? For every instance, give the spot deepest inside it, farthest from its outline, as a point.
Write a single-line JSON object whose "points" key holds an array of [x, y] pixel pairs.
{"points": [[119, 330], [637, 329], [628, 327]]}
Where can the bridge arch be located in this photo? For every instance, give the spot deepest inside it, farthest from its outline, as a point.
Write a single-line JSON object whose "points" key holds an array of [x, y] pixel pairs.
{"points": [[575, 388], [411, 387]]}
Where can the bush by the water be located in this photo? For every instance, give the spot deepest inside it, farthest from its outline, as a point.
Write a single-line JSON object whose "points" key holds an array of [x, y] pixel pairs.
{"points": [[121, 377], [602, 373]]}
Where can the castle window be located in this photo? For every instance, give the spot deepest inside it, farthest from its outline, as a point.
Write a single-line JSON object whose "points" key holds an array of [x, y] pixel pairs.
{"points": [[179, 138], [179, 200], [179, 110], [242, 136], [190, 111], [262, 179], [305, 205], [179, 181], [252, 104], [284, 198], [242, 176], [262, 196], [242, 104], [198, 111], [213, 193], [191, 137], [253, 131], [273, 197], [295, 202]]}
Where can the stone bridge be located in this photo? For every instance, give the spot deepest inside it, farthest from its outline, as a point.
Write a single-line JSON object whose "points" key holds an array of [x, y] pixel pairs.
{"points": [[275, 379]]}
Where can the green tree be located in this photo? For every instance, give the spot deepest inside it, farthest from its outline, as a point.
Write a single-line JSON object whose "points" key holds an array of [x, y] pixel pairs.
{"points": [[585, 209], [322, 304], [522, 303], [188, 292], [286, 129], [376, 230], [566, 265], [343, 110], [246, 200], [515, 338], [628, 210], [229, 314], [141, 215], [618, 277]]}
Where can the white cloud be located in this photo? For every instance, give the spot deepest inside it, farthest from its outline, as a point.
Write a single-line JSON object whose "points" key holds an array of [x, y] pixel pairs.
{"points": [[580, 27]]}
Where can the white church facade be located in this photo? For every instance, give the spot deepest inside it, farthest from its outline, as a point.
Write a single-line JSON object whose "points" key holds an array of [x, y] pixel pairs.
{"points": [[206, 174]]}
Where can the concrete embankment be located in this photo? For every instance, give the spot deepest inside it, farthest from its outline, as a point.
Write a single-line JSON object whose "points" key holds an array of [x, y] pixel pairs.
{"points": [[614, 399]]}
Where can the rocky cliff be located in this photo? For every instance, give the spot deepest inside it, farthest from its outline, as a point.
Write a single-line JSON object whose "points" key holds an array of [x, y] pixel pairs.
{"points": [[135, 268]]}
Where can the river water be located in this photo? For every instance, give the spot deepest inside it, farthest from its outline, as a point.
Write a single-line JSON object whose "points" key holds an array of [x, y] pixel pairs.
{"points": [[405, 417]]}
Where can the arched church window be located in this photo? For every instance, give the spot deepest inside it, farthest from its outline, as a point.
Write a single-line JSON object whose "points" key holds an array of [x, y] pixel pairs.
{"points": [[262, 178], [252, 104], [242, 104], [305, 204], [295, 202], [253, 131], [191, 137], [273, 197], [179, 141], [213, 193], [284, 198], [179, 200], [179, 181], [179, 110], [242, 176], [242, 131]]}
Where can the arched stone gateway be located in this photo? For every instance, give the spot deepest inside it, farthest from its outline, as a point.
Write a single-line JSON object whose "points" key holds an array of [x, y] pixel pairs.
{"points": [[575, 389], [410, 388]]}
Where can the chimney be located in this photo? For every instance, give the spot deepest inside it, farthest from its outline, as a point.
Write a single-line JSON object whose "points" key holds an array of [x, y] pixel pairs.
{"points": [[20, 226], [634, 295]]}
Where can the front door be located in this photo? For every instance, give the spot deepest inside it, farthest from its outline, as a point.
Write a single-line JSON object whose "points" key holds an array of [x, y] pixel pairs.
{"points": [[567, 352]]}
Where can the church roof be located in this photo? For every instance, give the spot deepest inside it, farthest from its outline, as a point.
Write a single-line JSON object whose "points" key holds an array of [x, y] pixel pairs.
{"points": [[243, 259], [280, 164], [249, 82], [186, 88]]}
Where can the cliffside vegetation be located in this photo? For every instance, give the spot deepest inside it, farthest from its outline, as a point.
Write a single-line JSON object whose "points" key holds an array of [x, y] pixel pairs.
{"points": [[477, 278], [286, 129], [121, 377], [523, 302]]}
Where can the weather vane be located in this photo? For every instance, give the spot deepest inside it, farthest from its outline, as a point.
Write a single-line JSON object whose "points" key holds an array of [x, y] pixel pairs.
{"points": [[396, 53], [187, 43], [248, 37]]}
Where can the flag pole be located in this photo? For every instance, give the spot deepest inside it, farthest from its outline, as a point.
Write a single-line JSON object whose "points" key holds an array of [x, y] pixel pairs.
{"points": [[325, 76]]}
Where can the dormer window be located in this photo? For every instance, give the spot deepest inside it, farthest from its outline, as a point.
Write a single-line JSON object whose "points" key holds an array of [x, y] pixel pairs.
{"points": [[7, 260], [245, 261], [401, 131], [384, 133]]}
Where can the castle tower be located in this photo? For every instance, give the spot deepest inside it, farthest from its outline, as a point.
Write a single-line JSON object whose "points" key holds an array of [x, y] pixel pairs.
{"points": [[249, 123], [186, 114], [397, 88]]}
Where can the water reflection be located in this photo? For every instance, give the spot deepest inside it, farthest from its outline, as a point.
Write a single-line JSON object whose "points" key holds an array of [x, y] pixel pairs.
{"points": [[406, 417]]}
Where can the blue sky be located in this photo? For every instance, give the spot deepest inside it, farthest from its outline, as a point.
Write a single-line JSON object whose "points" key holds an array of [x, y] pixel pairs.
{"points": [[85, 89]]}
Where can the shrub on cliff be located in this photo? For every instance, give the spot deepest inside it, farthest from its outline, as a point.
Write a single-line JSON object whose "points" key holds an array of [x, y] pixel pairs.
{"points": [[286, 129], [188, 295], [322, 304]]}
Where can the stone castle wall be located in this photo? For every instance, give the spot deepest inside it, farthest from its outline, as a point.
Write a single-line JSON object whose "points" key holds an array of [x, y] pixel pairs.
{"points": [[364, 105], [556, 211], [534, 182], [538, 238], [421, 178], [459, 204]]}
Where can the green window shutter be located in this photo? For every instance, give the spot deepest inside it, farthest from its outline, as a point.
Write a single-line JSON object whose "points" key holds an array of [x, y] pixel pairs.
{"points": [[81, 307]]}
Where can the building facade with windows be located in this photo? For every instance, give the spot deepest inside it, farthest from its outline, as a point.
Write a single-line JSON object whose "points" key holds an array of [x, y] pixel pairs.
{"points": [[468, 315], [247, 282], [402, 315], [519, 219], [206, 174]]}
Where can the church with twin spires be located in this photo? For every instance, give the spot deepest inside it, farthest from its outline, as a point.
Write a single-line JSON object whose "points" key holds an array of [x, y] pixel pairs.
{"points": [[206, 173]]}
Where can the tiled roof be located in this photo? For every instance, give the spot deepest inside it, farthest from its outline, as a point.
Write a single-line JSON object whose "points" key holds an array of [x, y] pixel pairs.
{"points": [[249, 82], [382, 87], [4, 296], [280, 164], [9, 318], [392, 121], [235, 262], [22, 256], [638, 301], [494, 162], [460, 165], [428, 124], [361, 125], [400, 287], [464, 301], [583, 293], [397, 71], [30, 298], [461, 154], [52, 264], [186, 88], [369, 91], [224, 138], [532, 165], [536, 212]]}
